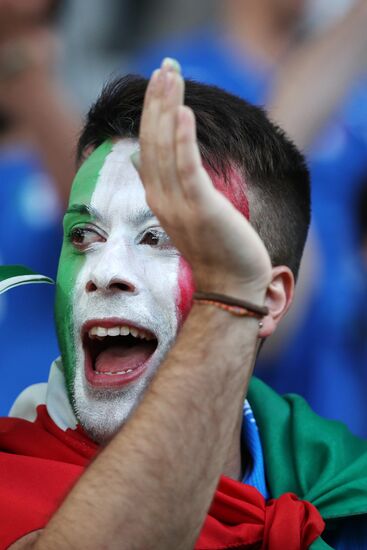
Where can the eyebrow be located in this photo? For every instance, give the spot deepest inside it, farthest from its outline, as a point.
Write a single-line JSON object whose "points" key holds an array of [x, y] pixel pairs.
{"points": [[141, 216], [85, 209]]}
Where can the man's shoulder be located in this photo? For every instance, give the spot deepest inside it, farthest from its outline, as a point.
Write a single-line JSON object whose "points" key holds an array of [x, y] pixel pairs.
{"points": [[319, 460]]}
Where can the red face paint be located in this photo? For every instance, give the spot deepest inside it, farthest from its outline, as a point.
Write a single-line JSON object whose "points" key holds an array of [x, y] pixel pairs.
{"points": [[186, 289], [234, 188]]}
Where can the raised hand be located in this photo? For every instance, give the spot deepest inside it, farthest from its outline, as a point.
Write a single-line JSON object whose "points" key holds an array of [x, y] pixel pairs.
{"points": [[224, 251]]}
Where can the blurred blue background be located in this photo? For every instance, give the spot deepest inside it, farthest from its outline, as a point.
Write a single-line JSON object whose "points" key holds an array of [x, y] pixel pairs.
{"points": [[301, 59]]}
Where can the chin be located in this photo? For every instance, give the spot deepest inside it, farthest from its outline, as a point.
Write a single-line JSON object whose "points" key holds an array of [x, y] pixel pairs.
{"points": [[102, 411]]}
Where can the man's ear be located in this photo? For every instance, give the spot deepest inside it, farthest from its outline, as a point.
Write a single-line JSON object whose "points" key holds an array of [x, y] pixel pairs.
{"points": [[279, 296]]}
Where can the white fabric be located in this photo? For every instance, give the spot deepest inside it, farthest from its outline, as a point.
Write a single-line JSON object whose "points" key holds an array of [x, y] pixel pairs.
{"points": [[26, 403], [53, 394]]}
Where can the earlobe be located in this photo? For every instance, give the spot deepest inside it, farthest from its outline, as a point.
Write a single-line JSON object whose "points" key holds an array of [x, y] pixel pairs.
{"points": [[278, 299]]}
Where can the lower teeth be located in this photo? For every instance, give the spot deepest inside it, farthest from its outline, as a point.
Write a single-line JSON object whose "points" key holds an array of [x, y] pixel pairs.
{"points": [[119, 372]]}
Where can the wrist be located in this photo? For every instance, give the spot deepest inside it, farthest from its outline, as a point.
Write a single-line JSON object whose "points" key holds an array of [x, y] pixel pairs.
{"points": [[243, 284], [234, 306], [252, 291]]}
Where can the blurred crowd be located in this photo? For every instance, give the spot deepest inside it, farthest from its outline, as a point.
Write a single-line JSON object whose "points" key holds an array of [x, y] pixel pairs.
{"points": [[305, 61]]}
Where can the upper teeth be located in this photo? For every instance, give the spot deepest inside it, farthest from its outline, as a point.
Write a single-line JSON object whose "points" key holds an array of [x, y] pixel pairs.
{"points": [[122, 330]]}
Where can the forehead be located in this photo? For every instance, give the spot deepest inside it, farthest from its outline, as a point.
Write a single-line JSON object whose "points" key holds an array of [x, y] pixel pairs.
{"points": [[108, 181]]}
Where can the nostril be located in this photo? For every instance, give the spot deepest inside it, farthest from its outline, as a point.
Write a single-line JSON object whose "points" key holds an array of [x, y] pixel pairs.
{"points": [[119, 285], [114, 285], [90, 286]]}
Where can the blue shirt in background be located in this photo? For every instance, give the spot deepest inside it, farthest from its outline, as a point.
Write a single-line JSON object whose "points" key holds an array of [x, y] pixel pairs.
{"points": [[30, 234]]}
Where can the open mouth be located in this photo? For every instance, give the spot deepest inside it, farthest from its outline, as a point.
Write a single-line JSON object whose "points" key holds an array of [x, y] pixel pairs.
{"points": [[116, 353]]}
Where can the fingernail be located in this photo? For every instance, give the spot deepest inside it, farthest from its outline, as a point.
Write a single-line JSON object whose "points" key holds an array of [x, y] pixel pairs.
{"points": [[135, 159], [171, 65]]}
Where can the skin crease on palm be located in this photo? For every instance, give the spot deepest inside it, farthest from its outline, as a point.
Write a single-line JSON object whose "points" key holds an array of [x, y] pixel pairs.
{"points": [[137, 282]]}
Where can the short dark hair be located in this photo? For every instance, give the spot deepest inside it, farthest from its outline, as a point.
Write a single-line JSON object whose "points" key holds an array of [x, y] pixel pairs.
{"points": [[231, 133]]}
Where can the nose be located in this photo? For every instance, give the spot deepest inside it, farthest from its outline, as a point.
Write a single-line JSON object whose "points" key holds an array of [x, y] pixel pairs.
{"points": [[114, 285], [112, 272], [113, 269]]}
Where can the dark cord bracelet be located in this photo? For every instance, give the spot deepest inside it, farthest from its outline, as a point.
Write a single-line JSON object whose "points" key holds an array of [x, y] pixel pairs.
{"points": [[237, 307]]}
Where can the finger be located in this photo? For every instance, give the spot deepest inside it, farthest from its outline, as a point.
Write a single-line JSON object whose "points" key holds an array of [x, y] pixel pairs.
{"points": [[148, 167], [172, 99], [194, 179]]}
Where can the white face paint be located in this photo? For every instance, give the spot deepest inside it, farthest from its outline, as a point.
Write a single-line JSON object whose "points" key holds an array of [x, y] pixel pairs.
{"points": [[123, 282]]}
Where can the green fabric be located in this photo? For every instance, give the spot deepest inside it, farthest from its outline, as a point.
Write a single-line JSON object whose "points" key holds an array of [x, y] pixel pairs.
{"points": [[317, 459], [16, 275]]}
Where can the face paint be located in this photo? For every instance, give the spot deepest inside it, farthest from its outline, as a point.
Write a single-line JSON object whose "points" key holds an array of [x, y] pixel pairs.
{"points": [[186, 290], [122, 290], [233, 187], [71, 262], [118, 277]]}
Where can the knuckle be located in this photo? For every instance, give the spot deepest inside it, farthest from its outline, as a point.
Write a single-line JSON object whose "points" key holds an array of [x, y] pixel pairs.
{"points": [[187, 169], [182, 137], [163, 148], [164, 141], [192, 193]]}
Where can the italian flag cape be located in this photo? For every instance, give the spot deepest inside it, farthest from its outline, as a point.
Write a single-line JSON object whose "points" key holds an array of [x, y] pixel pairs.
{"points": [[316, 471]]}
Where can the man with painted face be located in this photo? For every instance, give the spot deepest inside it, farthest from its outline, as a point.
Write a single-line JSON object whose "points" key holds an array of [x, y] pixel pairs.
{"points": [[152, 377]]}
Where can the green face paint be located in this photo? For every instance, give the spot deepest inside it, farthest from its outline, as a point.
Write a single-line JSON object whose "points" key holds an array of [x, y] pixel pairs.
{"points": [[117, 272], [71, 260]]}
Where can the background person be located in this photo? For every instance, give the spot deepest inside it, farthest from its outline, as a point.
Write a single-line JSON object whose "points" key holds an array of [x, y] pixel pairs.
{"points": [[38, 129]]}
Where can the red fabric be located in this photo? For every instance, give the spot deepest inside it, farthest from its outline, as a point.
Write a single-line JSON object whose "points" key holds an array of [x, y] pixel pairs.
{"points": [[239, 517], [39, 463]]}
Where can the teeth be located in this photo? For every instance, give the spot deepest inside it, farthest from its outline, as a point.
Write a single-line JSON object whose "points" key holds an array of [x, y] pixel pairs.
{"points": [[123, 330], [114, 331], [119, 372]]}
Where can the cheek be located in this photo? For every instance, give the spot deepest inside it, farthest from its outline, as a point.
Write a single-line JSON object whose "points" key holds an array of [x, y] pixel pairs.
{"points": [[186, 290], [69, 267]]}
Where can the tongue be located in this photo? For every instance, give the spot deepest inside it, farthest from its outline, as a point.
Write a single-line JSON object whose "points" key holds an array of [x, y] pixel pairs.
{"points": [[118, 358]]}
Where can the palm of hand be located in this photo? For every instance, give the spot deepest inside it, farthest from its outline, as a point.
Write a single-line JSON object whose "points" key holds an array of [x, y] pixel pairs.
{"points": [[224, 251]]}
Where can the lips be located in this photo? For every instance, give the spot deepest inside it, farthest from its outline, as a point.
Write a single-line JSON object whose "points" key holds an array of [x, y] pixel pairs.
{"points": [[117, 352]]}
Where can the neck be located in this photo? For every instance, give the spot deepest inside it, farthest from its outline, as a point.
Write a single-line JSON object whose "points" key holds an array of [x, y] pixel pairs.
{"points": [[263, 30]]}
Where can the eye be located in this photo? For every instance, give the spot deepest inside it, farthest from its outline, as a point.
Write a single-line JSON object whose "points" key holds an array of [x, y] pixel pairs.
{"points": [[156, 237], [83, 237]]}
